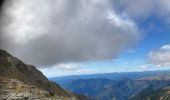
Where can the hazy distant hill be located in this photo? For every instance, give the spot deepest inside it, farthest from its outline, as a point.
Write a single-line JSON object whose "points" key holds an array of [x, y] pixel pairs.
{"points": [[118, 86], [150, 94], [105, 89], [146, 75], [19, 81]]}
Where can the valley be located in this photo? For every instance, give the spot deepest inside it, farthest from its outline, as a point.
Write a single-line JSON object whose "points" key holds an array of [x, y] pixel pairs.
{"points": [[120, 86]]}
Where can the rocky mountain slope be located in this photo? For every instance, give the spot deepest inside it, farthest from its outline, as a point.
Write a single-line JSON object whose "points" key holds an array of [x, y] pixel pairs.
{"points": [[20, 81], [150, 94]]}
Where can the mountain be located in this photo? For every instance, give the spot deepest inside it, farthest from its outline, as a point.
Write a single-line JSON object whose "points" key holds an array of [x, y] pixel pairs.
{"points": [[20, 81], [160, 75], [150, 94], [120, 86], [145, 75], [106, 89]]}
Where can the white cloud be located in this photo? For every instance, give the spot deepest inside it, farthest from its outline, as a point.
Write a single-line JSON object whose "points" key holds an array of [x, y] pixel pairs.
{"points": [[165, 47], [50, 32], [160, 57], [67, 67], [58, 71], [134, 50], [143, 66]]}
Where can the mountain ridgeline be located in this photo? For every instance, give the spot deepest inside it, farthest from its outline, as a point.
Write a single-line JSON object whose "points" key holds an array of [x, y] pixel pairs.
{"points": [[120, 86], [19, 81]]}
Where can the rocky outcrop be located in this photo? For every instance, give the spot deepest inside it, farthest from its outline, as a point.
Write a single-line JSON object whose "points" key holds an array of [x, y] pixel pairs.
{"points": [[19, 81], [13, 89]]}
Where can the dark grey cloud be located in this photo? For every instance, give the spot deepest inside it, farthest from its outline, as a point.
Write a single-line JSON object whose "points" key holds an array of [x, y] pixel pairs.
{"points": [[1, 10], [47, 33]]}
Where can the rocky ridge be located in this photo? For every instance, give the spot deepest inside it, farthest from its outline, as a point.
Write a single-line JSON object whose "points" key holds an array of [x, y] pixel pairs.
{"points": [[19, 81]]}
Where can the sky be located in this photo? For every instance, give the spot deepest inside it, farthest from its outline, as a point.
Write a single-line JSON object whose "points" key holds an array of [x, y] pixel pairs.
{"points": [[72, 37]]}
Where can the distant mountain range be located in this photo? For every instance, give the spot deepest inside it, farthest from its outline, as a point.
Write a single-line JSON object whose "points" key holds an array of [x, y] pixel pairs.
{"points": [[19, 81], [146, 75], [116, 86]]}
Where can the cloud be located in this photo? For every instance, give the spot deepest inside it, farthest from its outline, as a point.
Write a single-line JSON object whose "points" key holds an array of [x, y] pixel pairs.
{"points": [[143, 66], [134, 50], [131, 51], [67, 67], [165, 47], [143, 9], [137, 9], [62, 69], [51, 32], [160, 57]]}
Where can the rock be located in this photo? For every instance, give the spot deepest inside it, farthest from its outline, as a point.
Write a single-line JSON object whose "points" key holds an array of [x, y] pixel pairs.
{"points": [[19, 81]]}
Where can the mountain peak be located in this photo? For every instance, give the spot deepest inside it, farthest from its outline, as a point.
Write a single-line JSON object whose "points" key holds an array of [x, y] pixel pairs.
{"points": [[12, 70]]}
